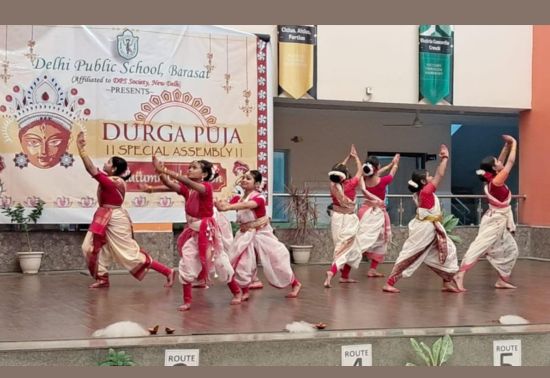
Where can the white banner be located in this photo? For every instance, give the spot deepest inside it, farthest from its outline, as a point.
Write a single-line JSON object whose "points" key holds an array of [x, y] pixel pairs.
{"points": [[183, 93]]}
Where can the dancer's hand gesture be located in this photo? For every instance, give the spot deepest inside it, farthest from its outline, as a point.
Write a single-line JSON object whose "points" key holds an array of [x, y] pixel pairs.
{"points": [[443, 151], [159, 166], [508, 139], [353, 152], [81, 140], [395, 160]]}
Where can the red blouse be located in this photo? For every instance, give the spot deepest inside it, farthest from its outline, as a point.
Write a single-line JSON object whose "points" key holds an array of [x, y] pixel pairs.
{"points": [[426, 196], [499, 192], [379, 190], [349, 187], [109, 192], [259, 211], [198, 205]]}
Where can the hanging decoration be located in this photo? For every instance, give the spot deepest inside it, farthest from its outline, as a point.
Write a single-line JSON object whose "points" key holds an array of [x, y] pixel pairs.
{"points": [[210, 67], [5, 63], [247, 107], [31, 43], [227, 86]]}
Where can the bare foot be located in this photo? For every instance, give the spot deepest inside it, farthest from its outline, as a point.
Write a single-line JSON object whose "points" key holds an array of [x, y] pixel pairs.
{"points": [[245, 296], [501, 284], [171, 278], [348, 280], [184, 307], [390, 289], [237, 299], [256, 285], [295, 290], [459, 281], [450, 287], [328, 279], [373, 273], [99, 284]]}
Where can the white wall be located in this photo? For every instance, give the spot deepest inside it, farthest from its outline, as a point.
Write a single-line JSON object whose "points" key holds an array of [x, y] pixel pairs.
{"points": [[492, 63]]}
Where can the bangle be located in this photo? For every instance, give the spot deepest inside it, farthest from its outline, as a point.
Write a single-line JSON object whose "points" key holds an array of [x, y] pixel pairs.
{"points": [[82, 153]]}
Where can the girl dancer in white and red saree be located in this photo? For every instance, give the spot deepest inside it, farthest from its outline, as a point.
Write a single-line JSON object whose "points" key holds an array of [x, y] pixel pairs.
{"points": [[200, 244], [343, 220], [110, 235], [494, 238], [255, 240], [374, 233], [427, 242]]}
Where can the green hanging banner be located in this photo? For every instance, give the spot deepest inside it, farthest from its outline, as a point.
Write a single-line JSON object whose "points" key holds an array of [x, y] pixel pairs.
{"points": [[436, 55]]}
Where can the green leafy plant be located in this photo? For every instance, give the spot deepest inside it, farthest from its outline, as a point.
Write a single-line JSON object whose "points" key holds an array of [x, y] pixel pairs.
{"points": [[302, 211], [17, 215], [115, 358], [437, 355], [449, 223]]}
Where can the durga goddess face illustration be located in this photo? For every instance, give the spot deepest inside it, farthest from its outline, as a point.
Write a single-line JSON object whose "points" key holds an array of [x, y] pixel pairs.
{"points": [[45, 115], [44, 142]]}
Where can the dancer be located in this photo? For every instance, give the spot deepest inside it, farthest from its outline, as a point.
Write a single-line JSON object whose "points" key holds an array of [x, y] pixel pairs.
{"points": [[110, 236], [200, 244], [374, 233], [427, 242], [255, 240], [494, 238], [343, 220]]}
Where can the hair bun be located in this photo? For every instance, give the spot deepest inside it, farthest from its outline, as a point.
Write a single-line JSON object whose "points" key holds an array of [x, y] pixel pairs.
{"points": [[368, 169], [337, 176]]}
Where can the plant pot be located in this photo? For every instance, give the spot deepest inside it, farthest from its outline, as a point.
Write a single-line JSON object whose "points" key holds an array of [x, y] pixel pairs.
{"points": [[30, 261], [301, 253]]}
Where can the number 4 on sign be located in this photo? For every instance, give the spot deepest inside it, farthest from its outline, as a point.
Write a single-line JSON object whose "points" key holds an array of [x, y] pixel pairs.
{"points": [[357, 355]]}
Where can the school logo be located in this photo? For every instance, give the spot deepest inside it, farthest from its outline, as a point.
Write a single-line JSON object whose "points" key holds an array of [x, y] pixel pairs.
{"points": [[127, 45]]}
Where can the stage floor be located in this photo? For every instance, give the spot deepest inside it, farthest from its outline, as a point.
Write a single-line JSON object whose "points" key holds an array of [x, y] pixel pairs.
{"points": [[59, 306]]}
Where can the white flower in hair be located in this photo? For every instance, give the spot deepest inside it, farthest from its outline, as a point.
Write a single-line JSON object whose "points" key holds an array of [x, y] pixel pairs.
{"points": [[215, 170], [339, 174], [480, 172], [370, 169], [413, 184]]}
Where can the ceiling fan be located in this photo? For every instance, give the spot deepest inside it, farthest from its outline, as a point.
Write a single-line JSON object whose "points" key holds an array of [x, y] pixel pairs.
{"points": [[417, 122]]}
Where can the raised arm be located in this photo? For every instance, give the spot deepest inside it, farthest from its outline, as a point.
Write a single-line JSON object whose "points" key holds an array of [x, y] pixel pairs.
{"points": [[160, 168], [358, 164], [395, 164], [511, 146], [444, 156], [224, 206], [88, 164], [505, 149], [169, 186]]}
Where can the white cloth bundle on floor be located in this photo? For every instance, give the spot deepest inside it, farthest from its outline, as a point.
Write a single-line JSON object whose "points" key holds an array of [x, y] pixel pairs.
{"points": [[121, 329]]}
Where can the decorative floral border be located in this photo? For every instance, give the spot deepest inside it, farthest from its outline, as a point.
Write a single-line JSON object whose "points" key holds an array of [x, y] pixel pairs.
{"points": [[263, 150]]}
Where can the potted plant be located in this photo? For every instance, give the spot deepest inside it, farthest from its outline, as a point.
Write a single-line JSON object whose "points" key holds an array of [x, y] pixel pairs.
{"points": [[437, 355], [29, 261], [449, 223], [303, 213]]}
